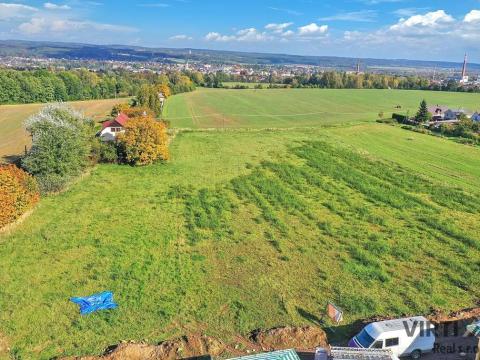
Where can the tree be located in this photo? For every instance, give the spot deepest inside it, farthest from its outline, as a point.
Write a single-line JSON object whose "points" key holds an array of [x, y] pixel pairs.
{"points": [[148, 97], [145, 140], [61, 145], [423, 115], [119, 108], [165, 90], [18, 193]]}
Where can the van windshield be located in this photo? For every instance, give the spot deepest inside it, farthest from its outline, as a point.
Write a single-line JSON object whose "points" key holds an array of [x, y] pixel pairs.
{"points": [[365, 339]]}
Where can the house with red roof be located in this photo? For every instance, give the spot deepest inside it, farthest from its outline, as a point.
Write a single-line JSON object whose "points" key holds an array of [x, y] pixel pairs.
{"points": [[111, 128]]}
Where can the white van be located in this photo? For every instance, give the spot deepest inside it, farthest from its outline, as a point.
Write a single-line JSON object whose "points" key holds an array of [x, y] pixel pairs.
{"points": [[404, 337]]}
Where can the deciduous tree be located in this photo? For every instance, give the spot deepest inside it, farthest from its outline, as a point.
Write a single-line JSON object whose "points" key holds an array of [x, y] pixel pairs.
{"points": [[145, 140], [61, 145]]}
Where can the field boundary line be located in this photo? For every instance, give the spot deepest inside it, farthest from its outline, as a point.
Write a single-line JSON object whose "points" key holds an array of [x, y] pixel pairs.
{"points": [[259, 115]]}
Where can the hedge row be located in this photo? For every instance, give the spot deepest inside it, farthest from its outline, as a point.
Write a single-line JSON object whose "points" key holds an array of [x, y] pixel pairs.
{"points": [[18, 193]]}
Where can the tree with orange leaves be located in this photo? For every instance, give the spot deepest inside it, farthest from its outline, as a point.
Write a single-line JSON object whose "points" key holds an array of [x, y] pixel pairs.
{"points": [[164, 89], [18, 193], [145, 141]]}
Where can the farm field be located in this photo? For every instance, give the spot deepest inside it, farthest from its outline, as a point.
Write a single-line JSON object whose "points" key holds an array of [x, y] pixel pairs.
{"points": [[232, 84], [280, 108], [245, 229], [13, 136]]}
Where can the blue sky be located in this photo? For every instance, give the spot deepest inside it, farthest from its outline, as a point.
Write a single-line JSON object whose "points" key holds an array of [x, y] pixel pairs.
{"points": [[414, 29]]}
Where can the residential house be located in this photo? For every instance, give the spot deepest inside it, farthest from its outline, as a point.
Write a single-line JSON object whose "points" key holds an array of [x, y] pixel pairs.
{"points": [[453, 114], [111, 128], [438, 112]]}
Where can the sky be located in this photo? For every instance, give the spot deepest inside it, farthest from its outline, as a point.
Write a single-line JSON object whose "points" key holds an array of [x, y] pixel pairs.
{"points": [[409, 29]]}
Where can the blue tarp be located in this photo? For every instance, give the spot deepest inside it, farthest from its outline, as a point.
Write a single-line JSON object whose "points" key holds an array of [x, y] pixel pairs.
{"points": [[95, 302]]}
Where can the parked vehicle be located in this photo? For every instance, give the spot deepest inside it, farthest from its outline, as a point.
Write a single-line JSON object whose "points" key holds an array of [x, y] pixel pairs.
{"points": [[404, 337]]}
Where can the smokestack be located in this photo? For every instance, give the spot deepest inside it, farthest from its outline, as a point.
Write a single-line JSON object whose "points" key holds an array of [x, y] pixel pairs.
{"points": [[464, 69]]}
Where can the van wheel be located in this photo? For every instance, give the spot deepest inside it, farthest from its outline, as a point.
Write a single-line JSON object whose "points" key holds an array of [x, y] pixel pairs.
{"points": [[417, 354]]}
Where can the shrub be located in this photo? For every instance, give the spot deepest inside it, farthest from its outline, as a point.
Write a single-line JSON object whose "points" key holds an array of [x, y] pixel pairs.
{"points": [[402, 119], [145, 140], [108, 152], [61, 146], [51, 183], [18, 193], [119, 108]]}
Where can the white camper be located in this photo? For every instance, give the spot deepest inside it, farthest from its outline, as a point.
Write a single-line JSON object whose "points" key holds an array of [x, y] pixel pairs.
{"points": [[404, 337]]}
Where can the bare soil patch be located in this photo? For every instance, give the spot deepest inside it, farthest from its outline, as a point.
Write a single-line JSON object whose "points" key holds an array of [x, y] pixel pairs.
{"points": [[189, 346]]}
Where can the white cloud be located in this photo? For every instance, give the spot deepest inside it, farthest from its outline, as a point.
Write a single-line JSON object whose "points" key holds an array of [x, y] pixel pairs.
{"points": [[251, 34], [408, 12], [472, 16], [10, 11], [278, 28], [181, 37], [410, 37], [352, 35], [312, 30], [52, 6], [39, 25], [288, 33], [429, 20], [215, 36], [288, 11], [244, 35], [358, 16]]}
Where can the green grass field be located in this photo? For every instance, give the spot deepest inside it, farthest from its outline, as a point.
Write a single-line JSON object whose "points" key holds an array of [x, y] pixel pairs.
{"points": [[247, 229], [207, 108], [13, 136], [232, 84]]}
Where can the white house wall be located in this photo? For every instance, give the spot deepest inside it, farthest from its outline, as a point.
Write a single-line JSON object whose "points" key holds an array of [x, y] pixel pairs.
{"points": [[108, 135]]}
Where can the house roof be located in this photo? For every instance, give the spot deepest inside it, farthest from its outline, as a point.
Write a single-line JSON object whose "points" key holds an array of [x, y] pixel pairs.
{"points": [[119, 121], [437, 108]]}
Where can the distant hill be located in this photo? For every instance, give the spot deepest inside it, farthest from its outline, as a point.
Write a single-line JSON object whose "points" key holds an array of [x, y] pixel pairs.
{"points": [[75, 51]]}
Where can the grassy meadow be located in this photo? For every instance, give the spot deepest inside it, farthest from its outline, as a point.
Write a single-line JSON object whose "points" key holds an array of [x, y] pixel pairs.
{"points": [[280, 108], [13, 136], [251, 228], [241, 230]]}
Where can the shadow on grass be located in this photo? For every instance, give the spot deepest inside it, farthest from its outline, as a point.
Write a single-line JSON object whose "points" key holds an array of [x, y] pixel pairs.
{"points": [[11, 159], [338, 335]]}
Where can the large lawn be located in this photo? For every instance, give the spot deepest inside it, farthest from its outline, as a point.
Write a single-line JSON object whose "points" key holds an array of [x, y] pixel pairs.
{"points": [[14, 138], [207, 108], [247, 229]]}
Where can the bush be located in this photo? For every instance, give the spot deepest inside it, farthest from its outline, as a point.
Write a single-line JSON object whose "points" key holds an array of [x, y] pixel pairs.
{"points": [[51, 183], [108, 152], [145, 140], [402, 119], [61, 147], [18, 193]]}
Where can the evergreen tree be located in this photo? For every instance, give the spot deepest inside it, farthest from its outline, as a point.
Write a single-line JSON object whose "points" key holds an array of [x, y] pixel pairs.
{"points": [[423, 115]]}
